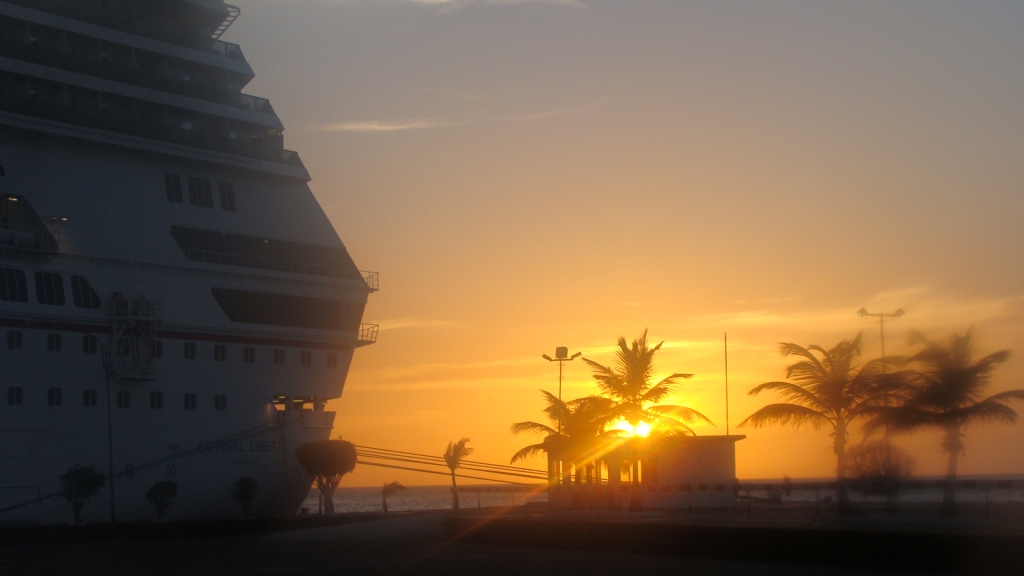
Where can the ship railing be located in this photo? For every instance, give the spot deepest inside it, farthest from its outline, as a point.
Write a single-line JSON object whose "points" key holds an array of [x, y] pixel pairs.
{"points": [[372, 280], [154, 130], [368, 333], [28, 239], [137, 308], [228, 50], [132, 75], [254, 103], [276, 265], [163, 32]]}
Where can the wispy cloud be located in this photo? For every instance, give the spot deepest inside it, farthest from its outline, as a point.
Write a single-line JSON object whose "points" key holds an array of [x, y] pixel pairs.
{"points": [[378, 126], [461, 94], [460, 3], [383, 126], [397, 323], [449, 4], [925, 309]]}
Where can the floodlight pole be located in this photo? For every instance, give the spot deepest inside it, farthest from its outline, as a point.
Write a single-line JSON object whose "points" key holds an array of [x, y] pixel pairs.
{"points": [[881, 325], [561, 356], [110, 425]]}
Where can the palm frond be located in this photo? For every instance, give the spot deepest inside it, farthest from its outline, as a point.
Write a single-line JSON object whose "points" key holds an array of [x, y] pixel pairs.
{"points": [[392, 488], [532, 427], [456, 452], [792, 392], [528, 452], [785, 415], [669, 426], [683, 413], [988, 410]]}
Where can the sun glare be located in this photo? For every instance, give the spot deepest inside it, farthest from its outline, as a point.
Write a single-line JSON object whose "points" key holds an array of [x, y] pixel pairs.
{"points": [[641, 429]]}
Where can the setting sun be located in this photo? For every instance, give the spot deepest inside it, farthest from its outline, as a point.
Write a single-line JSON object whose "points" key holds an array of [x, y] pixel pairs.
{"points": [[641, 429]]}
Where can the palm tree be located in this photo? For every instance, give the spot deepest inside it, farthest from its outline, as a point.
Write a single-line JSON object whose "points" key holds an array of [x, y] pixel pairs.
{"points": [[327, 461], [628, 382], [390, 489], [575, 426], [832, 391], [453, 457], [948, 393]]}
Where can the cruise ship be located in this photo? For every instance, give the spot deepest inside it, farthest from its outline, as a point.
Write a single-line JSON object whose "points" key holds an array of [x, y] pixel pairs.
{"points": [[174, 303]]}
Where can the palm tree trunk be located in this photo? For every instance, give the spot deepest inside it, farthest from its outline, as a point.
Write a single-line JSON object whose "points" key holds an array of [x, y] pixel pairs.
{"points": [[455, 494], [328, 496], [842, 490], [634, 494], [384, 502], [952, 445]]}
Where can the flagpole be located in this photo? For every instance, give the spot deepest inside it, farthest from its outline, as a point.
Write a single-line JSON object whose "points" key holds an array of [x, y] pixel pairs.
{"points": [[726, 340]]}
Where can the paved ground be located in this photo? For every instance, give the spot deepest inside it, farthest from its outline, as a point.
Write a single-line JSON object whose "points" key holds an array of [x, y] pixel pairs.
{"points": [[403, 545]]}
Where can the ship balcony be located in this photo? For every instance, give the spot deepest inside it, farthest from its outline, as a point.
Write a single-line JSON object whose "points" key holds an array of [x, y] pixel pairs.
{"points": [[127, 74], [292, 266], [194, 132], [189, 37], [26, 241], [367, 334], [372, 280]]}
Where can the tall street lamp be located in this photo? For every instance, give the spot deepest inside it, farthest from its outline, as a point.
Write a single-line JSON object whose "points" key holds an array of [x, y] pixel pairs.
{"points": [[110, 424], [881, 325], [561, 356]]}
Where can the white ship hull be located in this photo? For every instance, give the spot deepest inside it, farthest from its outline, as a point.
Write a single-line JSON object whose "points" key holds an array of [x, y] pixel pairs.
{"points": [[172, 306]]}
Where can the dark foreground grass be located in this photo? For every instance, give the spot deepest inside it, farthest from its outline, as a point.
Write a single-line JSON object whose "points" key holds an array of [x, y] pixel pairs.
{"points": [[254, 555], [506, 541]]}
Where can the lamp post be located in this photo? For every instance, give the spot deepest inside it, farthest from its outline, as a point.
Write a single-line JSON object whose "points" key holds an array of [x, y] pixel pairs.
{"points": [[110, 423], [561, 356], [881, 325]]}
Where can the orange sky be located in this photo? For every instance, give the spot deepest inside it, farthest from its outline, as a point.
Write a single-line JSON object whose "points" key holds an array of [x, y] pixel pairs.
{"points": [[530, 174]]}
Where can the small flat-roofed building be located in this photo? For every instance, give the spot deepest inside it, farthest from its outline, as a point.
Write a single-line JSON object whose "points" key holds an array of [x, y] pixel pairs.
{"points": [[678, 472]]}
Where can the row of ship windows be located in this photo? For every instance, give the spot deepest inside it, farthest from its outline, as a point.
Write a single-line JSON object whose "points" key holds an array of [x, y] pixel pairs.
{"points": [[90, 398], [55, 343], [200, 192], [49, 288]]}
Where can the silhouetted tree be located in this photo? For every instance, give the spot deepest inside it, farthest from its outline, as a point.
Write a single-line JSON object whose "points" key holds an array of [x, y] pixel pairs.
{"points": [[453, 457], [161, 495], [244, 491], [947, 392], [327, 461], [390, 489], [576, 428], [629, 383], [833, 390], [880, 464], [79, 484]]}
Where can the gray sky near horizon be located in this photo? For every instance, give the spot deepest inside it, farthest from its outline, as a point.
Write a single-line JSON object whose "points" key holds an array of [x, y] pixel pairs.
{"points": [[532, 174]]}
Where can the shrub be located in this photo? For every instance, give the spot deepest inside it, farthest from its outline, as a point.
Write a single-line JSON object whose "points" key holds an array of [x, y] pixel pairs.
{"points": [[79, 484], [244, 490], [880, 465], [161, 495]]}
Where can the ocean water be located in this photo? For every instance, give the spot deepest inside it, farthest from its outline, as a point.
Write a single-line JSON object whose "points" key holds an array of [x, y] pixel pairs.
{"points": [[440, 498], [418, 498], [916, 495]]}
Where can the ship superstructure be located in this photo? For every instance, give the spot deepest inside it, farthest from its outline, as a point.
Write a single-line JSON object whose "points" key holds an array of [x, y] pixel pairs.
{"points": [[174, 304]]}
